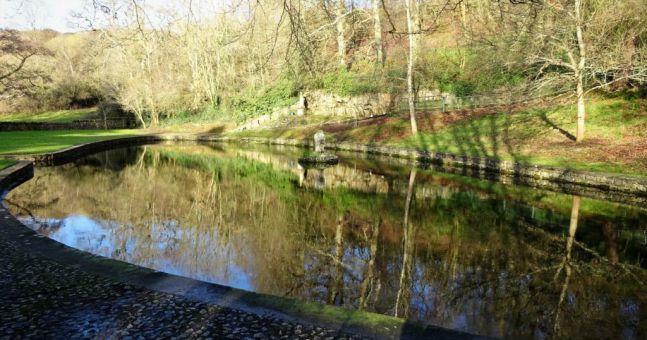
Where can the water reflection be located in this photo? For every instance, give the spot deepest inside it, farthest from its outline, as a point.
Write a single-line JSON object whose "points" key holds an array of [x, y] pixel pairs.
{"points": [[453, 251]]}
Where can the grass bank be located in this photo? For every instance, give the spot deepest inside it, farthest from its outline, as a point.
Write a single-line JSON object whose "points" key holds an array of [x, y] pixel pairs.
{"points": [[5, 163], [61, 116], [616, 139], [35, 142]]}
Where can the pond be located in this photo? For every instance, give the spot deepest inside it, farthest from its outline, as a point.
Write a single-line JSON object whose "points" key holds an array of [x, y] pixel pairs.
{"points": [[443, 249]]}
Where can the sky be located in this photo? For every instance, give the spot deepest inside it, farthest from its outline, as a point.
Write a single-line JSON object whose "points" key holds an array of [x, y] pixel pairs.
{"points": [[39, 14], [58, 14]]}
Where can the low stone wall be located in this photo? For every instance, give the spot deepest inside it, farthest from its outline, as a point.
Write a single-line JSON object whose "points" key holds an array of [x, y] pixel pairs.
{"points": [[77, 151], [14, 175], [86, 124]]}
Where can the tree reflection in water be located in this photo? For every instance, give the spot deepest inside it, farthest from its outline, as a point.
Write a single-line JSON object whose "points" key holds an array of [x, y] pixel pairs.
{"points": [[409, 240], [566, 262], [449, 250]]}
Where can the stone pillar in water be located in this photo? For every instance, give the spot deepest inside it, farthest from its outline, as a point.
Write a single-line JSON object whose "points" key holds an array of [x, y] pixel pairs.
{"points": [[320, 141]]}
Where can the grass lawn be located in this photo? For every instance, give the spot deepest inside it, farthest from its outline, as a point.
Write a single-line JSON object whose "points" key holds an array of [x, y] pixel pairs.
{"points": [[62, 116], [34, 142], [616, 135], [5, 163]]}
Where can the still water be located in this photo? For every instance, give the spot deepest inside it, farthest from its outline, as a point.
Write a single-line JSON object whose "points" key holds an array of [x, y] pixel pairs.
{"points": [[448, 250]]}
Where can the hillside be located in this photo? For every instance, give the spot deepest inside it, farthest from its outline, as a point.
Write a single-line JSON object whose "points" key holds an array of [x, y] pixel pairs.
{"points": [[617, 130]]}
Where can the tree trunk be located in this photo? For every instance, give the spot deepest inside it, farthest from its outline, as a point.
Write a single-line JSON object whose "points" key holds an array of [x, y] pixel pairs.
{"points": [[341, 32], [377, 32], [410, 65], [463, 30], [581, 110]]}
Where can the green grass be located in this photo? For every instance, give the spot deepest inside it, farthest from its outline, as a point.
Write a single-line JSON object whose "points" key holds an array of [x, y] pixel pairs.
{"points": [[62, 116], [541, 136], [5, 163], [35, 142], [616, 136]]}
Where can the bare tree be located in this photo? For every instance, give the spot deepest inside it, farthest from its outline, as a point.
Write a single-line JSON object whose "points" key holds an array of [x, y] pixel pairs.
{"points": [[415, 29], [579, 70], [574, 43], [15, 52], [377, 32], [341, 32]]}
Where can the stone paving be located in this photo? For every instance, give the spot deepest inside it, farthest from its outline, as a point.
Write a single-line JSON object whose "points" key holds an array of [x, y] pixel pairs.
{"points": [[40, 298]]}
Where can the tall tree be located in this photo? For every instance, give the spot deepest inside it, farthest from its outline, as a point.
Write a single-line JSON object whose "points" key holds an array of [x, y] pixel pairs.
{"points": [[435, 11], [413, 29], [574, 43], [16, 52], [340, 20], [377, 32], [579, 70]]}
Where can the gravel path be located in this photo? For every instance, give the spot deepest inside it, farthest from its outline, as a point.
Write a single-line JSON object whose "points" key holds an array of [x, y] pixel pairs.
{"points": [[42, 299]]}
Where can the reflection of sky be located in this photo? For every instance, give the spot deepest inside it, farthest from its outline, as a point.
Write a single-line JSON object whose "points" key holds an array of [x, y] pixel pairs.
{"points": [[101, 238], [80, 232]]}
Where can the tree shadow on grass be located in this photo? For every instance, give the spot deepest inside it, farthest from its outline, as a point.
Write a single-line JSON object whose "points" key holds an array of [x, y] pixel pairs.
{"points": [[486, 137], [544, 117]]}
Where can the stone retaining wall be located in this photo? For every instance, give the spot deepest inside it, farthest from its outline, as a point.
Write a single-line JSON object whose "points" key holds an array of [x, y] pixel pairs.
{"points": [[322, 103], [359, 106], [86, 124]]}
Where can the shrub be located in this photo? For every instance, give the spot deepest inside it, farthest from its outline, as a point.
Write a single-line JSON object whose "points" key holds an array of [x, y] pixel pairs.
{"points": [[245, 106], [71, 94], [462, 72], [345, 83]]}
